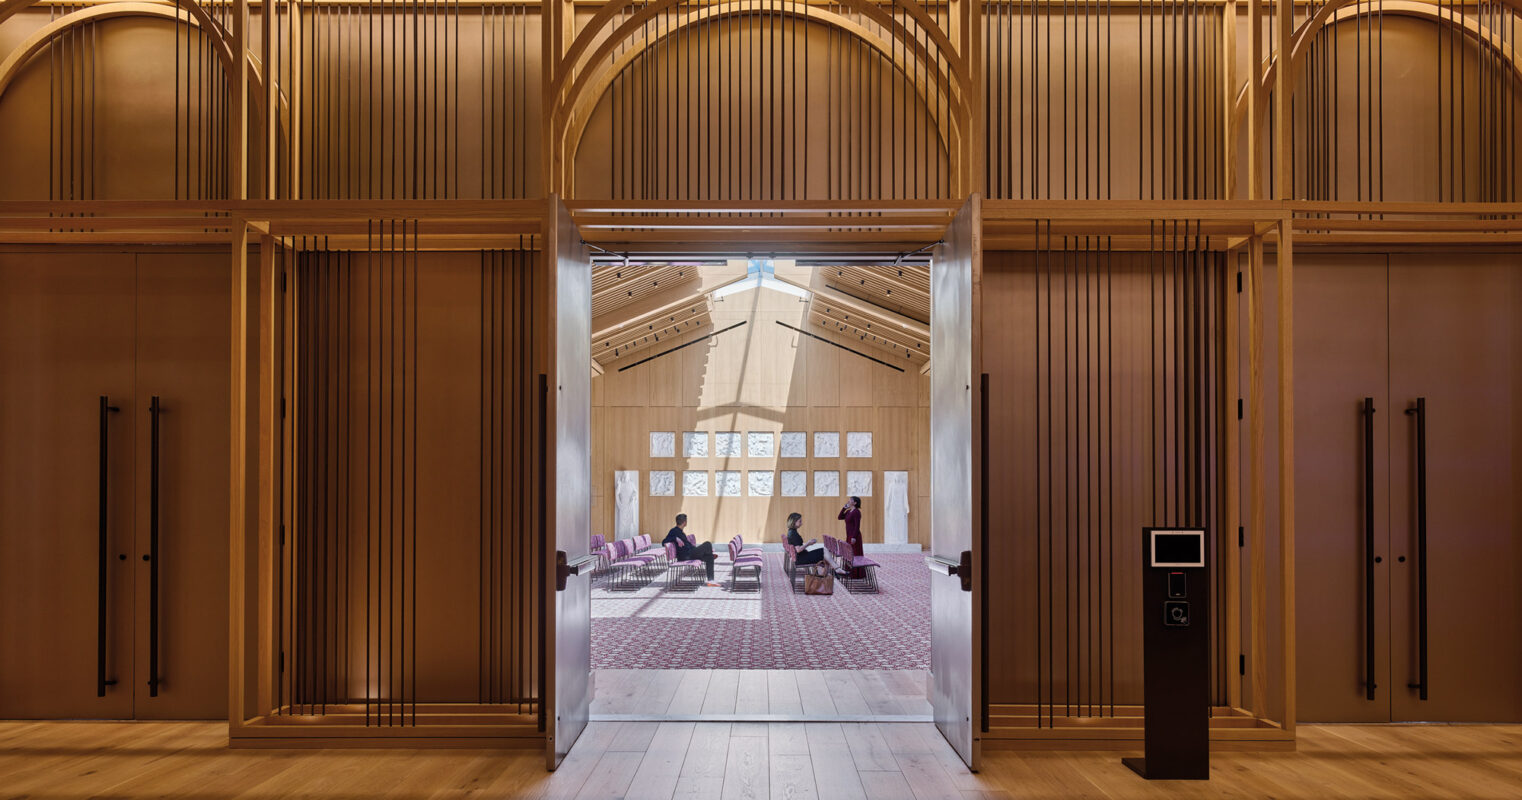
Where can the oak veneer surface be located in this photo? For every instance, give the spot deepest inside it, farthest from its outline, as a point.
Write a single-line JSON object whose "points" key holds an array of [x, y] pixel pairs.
{"points": [[713, 760]]}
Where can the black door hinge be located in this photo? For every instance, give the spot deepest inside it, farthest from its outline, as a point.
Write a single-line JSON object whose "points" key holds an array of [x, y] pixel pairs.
{"points": [[282, 281], [282, 536], [1239, 408], [1241, 664], [1241, 536], [1239, 281]]}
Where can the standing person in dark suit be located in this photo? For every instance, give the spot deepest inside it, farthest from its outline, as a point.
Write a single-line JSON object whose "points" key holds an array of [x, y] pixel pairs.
{"points": [[685, 550], [851, 514]]}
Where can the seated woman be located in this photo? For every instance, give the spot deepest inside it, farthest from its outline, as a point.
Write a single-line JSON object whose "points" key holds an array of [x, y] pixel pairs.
{"points": [[810, 552]]}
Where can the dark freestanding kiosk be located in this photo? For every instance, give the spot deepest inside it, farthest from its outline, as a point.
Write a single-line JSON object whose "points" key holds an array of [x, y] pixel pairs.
{"points": [[1176, 644]]}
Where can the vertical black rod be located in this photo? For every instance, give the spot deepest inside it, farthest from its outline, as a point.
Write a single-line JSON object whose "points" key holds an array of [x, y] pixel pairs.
{"points": [[1368, 544], [1421, 545], [983, 547], [100, 603], [153, 549]]}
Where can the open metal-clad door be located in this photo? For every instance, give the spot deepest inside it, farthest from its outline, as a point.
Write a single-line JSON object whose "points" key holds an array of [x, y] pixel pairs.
{"points": [[955, 588], [566, 395]]}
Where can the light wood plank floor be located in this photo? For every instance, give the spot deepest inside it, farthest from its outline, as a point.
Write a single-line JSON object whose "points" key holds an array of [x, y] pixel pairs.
{"points": [[52, 761], [818, 695]]}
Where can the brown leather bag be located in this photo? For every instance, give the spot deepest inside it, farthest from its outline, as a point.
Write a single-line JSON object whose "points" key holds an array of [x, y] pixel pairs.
{"points": [[818, 580]]}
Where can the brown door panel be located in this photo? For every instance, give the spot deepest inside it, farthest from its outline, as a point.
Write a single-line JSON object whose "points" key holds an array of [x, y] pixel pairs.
{"points": [[1341, 357], [1454, 340], [183, 352], [66, 339]]}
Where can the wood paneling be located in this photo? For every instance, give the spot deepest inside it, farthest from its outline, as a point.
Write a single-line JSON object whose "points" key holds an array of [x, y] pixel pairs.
{"points": [[1106, 366], [129, 327], [759, 377], [412, 454]]}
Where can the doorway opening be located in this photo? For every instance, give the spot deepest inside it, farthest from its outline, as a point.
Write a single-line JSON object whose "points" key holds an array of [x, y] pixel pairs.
{"points": [[739, 392]]}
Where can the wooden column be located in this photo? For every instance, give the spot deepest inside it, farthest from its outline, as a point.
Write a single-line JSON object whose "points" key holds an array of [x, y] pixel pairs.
{"points": [[1231, 495], [1255, 101], [237, 151], [1228, 101], [1286, 345], [1283, 138], [1256, 519]]}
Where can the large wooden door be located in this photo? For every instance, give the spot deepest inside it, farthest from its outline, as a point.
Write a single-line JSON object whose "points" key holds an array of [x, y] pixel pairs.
{"points": [[66, 496], [1455, 345], [568, 394], [955, 548], [1342, 359], [182, 365]]}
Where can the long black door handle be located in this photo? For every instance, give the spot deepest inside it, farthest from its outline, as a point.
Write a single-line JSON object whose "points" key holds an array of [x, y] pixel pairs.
{"points": [[1368, 545], [153, 549], [1420, 412], [103, 556]]}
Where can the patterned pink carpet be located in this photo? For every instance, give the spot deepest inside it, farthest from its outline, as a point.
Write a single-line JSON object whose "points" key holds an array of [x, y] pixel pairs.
{"points": [[771, 629]]}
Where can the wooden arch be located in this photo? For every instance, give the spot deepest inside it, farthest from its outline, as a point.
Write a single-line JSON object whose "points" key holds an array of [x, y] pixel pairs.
{"points": [[179, 11], [947, 126], [577, 87], [1340, 11]]}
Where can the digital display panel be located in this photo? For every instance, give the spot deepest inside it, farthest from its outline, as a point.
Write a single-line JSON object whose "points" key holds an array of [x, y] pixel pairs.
{"points": [[1178, 548]]}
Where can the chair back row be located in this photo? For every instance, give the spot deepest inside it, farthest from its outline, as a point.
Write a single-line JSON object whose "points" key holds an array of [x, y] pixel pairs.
{"points": [[620, 549]]}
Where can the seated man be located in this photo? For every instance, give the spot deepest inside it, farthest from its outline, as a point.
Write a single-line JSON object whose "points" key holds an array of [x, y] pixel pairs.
{"points": [[686, 552]]}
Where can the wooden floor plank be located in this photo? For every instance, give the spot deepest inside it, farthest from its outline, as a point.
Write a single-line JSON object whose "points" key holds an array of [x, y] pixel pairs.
{"points": [[702, 773], [747, 774], [610, 780], [658, 772], [835, 772], [845, 693], [814, 692], [782, 692], [723, 692], [788, 738], [752, 695], [691, 691], [792, 778], [868, 747], [886, 786]]}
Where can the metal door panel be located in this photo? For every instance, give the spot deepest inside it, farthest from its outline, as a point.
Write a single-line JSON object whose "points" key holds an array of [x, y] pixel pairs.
{"points": [[183, 349], [66, 340], [955, 646], [1341, 357], [569, 694], [1456, 341]]}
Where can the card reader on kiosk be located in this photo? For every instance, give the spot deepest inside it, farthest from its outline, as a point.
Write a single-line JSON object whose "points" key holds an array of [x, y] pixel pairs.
{"points": [[1176, 642]]}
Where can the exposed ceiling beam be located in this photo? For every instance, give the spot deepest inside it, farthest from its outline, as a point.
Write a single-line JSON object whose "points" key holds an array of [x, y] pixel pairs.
{"points": [[708, 280], [913, 327]]}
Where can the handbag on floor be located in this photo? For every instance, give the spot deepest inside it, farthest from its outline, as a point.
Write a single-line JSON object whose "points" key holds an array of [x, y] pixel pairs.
{"points": [[819, 579]]}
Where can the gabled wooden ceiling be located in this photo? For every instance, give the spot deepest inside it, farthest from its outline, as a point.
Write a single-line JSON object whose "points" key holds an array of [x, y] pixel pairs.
{"points": [[883, 311]]}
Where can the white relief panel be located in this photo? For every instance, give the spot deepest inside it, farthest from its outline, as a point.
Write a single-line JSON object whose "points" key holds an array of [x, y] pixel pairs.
{"points": [[662, 444], [761, 483], [827, 483], [727, 483], [826, 444], [695, 444], [795, 444], [859, 483], [760, 444], [858, 444], [662, 483], [694, 483], [727, 445], [795, 483]]}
